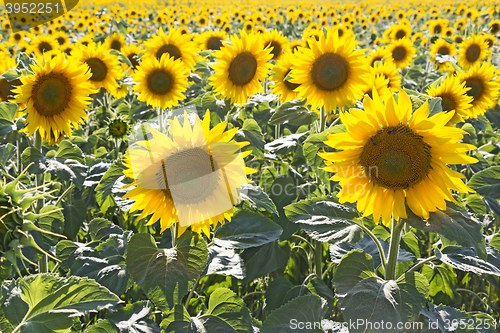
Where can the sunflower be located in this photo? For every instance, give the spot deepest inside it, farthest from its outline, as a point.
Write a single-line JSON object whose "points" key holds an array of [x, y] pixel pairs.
{"points": [[211, 40], [115, 42], [331, 73], [191, 176], [282, 86], [175, 44], [377, 54], [483, 89], [454, 97], [104, 67], [377, 82], [400, 31], [442, 47], [293, 46], [120, 91], [62, 39], [118, 128], [56, 96], [276, 41], [161, 82], [401, 157], [401, 52], [437, 27], [388, 70], [241, 65], [132, 52], [472, 51], [42, 44], [494, 27]]}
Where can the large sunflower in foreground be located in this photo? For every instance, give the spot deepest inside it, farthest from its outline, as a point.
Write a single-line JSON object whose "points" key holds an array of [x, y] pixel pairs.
{"points": [[401, 52], [483, 90], [104, 67], [282, 86], [175, 44], [56, 97], [191, 176], [330, 73], [240, 67], [453, 94], [401, 157], [472, 51], [161, 83]]}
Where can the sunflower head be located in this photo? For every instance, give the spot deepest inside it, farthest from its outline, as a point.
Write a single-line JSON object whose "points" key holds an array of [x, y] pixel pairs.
{"points": [[190, 175], [331, 73], [240, 67], [391, 158], [282, 85], [401, 52], [276, 41], [472, 51], [56, 96], [453, 94], [118, 128]]}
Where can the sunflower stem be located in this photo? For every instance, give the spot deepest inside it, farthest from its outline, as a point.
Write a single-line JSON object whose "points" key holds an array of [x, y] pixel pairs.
{"points": [[19, 161], [173, 230], [390, 267], [322, 120], [377, 242], [318, 257]]}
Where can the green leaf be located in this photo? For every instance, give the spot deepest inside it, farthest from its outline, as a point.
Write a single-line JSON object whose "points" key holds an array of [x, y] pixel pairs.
{"points": [[100, 229], [74, 216], [487, 182], [247, 229], [315, 143], [30, 155], [495, 241], [318, 287], [465, 259], [262, 260], [226, 313], [284, 145], [67, 150], [447, 319], [164, 274], [257, 198], [293, 113], [441, 278], [305, 309], [363, 295], [103, 326], [454, 225], [53, 222], [47, 303], [325, 221], [105, 186], [6, 152], [132, 318], [252, 133], [225, 262], [7, 113], [280, 291]]}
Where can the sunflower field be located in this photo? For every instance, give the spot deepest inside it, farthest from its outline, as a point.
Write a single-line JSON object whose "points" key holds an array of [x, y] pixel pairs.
{"points": [[256, 166]]}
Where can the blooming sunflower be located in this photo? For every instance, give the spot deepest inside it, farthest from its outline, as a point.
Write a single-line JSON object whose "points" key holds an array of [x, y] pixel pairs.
{"points": [[275, 40], [161, 82], [104, 67], [56, 96], [115, 42], [377, 82], [330, 73], [175, 44], [454, 97], [390, 72], [191, 176], [377, 54], [132, 52], [483, 90], [240, 67], [211, 40], [293, 46], [401, 158], [42, 44], [472, 51], [401, 52], [282, 86], [442, 47]]}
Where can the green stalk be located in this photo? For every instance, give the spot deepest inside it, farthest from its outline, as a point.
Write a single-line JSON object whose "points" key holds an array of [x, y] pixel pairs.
{"points": [[322, 120], [318, 257], [390, 267], [379, 246]]}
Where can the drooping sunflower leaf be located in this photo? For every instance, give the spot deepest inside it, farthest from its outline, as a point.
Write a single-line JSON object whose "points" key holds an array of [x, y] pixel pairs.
{"points": [[262, 260], [465, 259]]}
